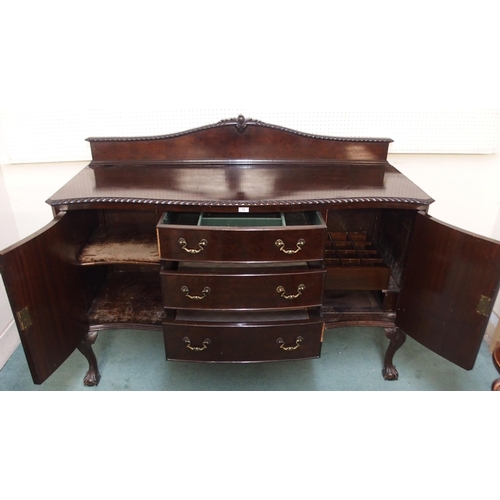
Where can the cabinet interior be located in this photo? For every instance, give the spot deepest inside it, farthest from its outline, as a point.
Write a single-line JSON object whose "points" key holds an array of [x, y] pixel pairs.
{"points": [[127, 296], [120, 236], [120, 267], [365, 252]]}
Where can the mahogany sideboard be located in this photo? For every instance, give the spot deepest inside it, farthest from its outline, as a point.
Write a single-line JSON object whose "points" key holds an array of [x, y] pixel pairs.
{"points": [[242, 242]]}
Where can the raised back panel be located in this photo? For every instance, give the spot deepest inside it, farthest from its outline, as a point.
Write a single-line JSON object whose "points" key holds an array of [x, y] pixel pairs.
{"points": [[238, 139]]}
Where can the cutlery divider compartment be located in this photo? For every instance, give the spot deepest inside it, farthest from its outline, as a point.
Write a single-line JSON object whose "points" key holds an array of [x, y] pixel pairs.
{"points": [[354, 263]]}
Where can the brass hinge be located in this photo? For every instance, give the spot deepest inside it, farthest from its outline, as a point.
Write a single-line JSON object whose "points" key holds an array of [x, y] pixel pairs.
{"points": [[24, 318], [484, 306]]}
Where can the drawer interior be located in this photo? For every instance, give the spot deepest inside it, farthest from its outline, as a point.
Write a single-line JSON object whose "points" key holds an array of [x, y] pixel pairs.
{"points": [[272, 219], [240, 268], [241, 220], [241, 317]]}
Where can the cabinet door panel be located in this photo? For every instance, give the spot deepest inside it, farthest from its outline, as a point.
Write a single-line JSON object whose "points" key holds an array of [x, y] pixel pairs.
{"points": [[450, 279], [45, 292]]}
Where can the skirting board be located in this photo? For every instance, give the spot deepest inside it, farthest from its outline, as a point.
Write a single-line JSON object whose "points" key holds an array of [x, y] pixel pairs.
{"points": [[9, 340]]}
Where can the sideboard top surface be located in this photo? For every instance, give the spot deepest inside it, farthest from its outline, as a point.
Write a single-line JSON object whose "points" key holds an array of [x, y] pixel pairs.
{"points": [[239, 186], [239, 162]]}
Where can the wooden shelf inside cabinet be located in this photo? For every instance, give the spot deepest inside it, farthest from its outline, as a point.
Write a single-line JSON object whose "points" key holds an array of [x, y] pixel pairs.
{"points": [[356, 307], [120, 245], [352, 300], [132, 298]]}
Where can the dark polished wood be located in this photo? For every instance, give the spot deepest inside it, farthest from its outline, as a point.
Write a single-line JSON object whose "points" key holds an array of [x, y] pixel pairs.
{"points": [[236, 337], [243, 288], [230, 186], [179, 233], [450, 274], [254, 140], [46, 294], [241, 244]]}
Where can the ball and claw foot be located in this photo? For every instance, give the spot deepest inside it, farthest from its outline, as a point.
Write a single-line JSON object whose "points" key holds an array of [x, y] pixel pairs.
{"points": [[390, 373], [397, 338], [93, 376]]}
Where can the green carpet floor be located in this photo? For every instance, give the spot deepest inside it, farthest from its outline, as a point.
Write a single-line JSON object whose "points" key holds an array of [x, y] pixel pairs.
{"points": [[351, 360]]}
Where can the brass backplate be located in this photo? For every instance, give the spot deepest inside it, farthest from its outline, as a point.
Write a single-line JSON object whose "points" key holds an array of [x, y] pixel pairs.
{"points": [[484, 306], [24, 318]]}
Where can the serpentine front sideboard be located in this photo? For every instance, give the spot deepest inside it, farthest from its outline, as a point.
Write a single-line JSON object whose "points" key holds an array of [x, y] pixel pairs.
{"points": [[242, 241]]}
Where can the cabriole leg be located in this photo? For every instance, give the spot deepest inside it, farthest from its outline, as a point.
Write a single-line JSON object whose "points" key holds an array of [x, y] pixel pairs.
{"points": [[93, 376], [397, 338]]}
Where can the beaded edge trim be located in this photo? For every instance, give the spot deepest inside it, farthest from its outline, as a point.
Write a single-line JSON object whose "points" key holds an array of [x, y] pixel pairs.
{"points": [[239, 203], [241, 124]]}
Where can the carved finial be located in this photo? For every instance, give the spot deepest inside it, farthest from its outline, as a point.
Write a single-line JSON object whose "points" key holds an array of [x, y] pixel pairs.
{"points": [[241, 124]]}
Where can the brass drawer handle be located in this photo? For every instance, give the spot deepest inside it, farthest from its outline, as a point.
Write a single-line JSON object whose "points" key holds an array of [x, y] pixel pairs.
{"points": [[300, 289], [298, 340], [201, 246], [281, 245], [205, 292], [205, 344]]}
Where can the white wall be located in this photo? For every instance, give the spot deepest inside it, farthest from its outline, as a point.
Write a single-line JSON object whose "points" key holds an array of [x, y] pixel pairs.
{"points": [[466, 187], [9, 338]]}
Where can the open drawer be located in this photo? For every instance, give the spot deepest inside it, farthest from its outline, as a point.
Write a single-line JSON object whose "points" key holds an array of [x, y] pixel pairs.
{"points": [[242, 237], [243, 337], [196, 285]]}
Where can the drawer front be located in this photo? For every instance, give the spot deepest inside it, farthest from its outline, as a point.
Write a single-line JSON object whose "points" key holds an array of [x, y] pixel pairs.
{"points": [[242, 244], [242, 291], [248, 343]]}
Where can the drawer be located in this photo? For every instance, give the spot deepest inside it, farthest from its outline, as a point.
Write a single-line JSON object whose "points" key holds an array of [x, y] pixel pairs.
{"points": [[244, 338], [276, 237], [201, 286]]}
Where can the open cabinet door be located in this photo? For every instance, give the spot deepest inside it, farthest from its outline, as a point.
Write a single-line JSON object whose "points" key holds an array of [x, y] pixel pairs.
{"points": [[45, 292], [449, 288]]}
